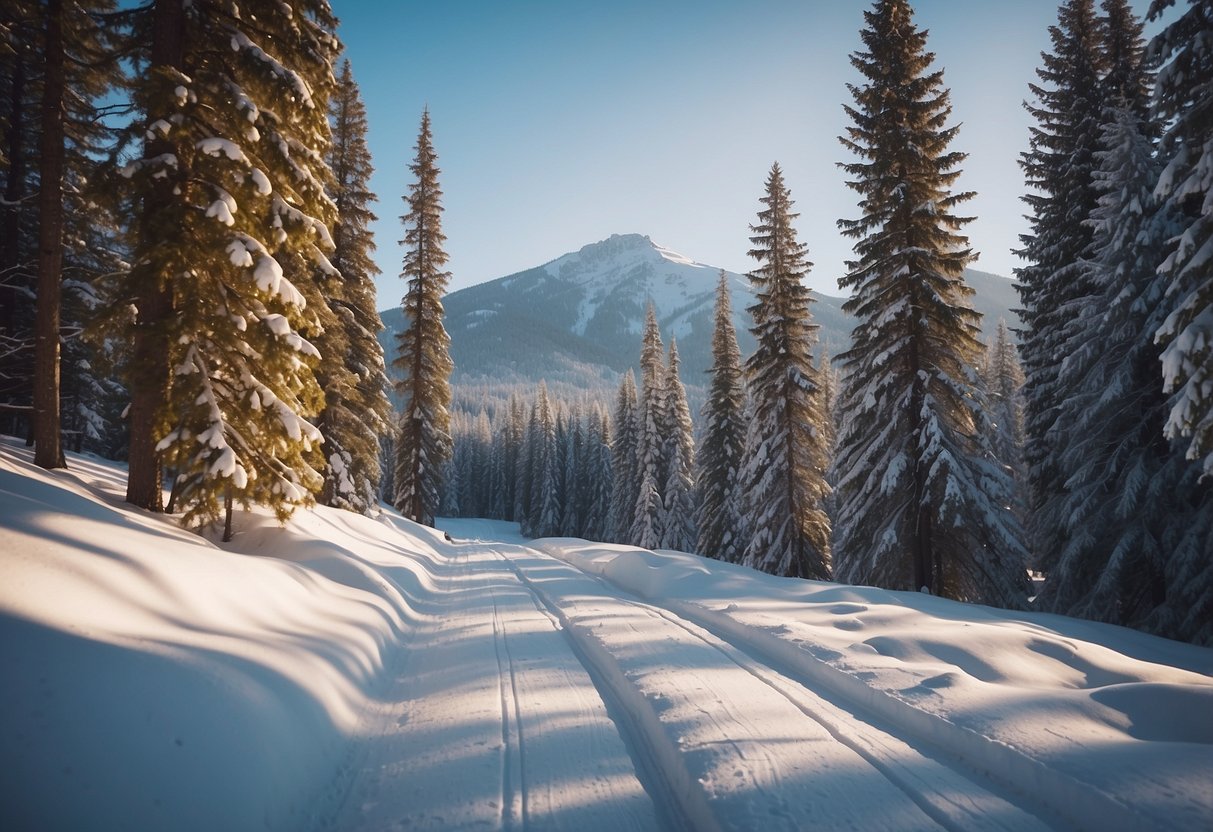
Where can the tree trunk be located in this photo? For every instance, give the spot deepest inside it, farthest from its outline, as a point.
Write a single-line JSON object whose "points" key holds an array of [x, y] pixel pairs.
{"points": [[48, 451], [227, 515], [14, 192], [151, 379]]}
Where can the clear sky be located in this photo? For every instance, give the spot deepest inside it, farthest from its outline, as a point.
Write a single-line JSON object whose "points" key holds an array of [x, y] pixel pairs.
{"points": [[558, 124]]}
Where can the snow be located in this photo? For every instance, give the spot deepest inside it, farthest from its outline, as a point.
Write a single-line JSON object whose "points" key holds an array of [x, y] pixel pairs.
{"points": [[215, 146], [353, 673]]}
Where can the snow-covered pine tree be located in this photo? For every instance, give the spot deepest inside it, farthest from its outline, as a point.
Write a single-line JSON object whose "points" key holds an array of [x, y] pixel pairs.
{"points": [[720, 453], [524, 488], [624, 453], [18, 221], [512, 459], [57, 232], [1183, 104], [678, 500], [1131, 488], [356, 410], [600, 479], [572, 510], [922, 500], [231, 194], [1058, 167], [424, 436], [1003, 380], [651, 462], [785, 459], [545, 500], [482, 470]]}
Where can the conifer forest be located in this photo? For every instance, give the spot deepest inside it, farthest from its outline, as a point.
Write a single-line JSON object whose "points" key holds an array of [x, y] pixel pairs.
{"points": [[187, 284]]}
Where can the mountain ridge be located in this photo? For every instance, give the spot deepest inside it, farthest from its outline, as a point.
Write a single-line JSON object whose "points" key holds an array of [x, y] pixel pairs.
{"points": [[576, 320]]}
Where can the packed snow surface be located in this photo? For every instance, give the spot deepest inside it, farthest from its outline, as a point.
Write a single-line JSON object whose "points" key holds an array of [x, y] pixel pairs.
{"points": [[354, 673]]}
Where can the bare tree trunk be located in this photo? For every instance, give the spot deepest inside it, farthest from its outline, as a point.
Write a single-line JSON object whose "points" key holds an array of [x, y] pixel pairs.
{"points": [[48, 450], [151, 381], [227, 515]]}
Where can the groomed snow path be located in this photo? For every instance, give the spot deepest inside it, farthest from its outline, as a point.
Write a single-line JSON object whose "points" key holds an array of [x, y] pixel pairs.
{"points": [[534, 695]]}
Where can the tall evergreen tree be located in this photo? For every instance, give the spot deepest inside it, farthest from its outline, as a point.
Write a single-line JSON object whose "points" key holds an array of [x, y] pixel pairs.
{"points": [[1130, 488], [600, 478], [784, 473], [424, 440], [1059, 167], [234, 216], [57, 62], [720, 453], [651, 464], [678, 506], [19, 99], [1183, 103], [1004, 380], [922, 501], [624, 453], [356, 410], [545, 462]]}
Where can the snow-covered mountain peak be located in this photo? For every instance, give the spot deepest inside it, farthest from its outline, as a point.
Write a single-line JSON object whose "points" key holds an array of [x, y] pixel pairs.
{"points": [[620, 255]]}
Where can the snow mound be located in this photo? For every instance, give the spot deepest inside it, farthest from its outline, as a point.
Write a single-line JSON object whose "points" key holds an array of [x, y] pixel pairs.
{"points": [[153, 679], [1109, 726]]}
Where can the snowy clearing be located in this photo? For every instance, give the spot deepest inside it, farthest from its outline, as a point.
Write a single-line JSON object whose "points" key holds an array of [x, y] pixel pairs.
{"points": [[353, 673]]}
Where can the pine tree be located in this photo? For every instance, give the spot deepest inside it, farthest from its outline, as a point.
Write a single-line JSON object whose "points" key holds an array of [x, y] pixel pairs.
{"points": [[356, 410], [57, 62], [922, 501], [234, 217], [1183, 103], [678, 507], [624, 453], [1004, 380], [1059, 167], [651, 463], [600, 478], [424, 440], [785, 457], [545, 460], [18, 221], [1129, 485], [720, 453]]}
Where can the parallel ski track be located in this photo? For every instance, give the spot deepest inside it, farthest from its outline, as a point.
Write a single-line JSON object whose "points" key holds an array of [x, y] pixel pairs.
{"points": [[659, 761], [679, 800]]}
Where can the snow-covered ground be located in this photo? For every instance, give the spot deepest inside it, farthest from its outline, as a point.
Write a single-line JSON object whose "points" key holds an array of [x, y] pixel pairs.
{"points": [[353, 673]]}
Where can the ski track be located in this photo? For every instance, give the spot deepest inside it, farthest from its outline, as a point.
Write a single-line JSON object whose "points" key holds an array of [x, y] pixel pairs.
{"points": [[491, 723], [535, 695]]}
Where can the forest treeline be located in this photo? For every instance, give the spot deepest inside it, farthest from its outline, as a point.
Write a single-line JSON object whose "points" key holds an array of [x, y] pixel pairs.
{"points": [[187, 283]]}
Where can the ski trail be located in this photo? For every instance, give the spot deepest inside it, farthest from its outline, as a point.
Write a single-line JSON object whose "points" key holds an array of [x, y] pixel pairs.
{"points": [[492, 721], [762, 781]]}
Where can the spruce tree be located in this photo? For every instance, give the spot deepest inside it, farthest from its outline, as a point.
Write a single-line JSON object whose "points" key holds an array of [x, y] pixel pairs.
{"points": [[19, 101], [720, 453], [1003, 381], [1183, 103], [356, 410], [1129, 486], [624, 453], [651, 463], [600, 478], [234, 216], [922, 501], [544, 519], [57, 233], [424, 439], [1059, 168], [678, 506], [785, 461]]}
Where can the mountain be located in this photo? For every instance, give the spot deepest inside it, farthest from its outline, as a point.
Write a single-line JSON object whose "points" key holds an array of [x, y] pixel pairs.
{"points": [[577, 320]]}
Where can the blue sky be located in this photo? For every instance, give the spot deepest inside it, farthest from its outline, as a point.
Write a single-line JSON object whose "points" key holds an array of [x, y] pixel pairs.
{"points": [[558, 124]]}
